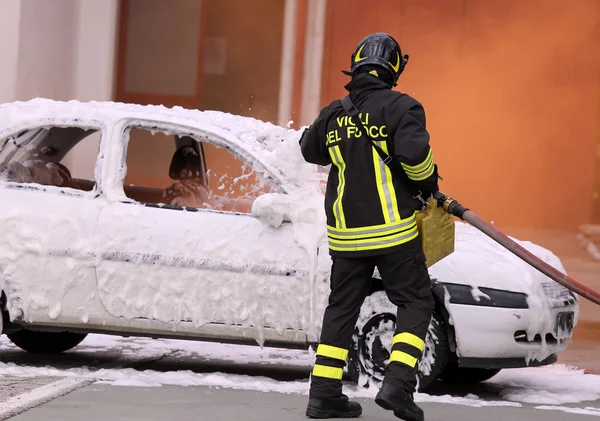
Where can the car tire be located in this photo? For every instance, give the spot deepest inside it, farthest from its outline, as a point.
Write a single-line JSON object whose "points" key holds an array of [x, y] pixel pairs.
{"points": [[45, 342], [372, 339], [454, 374]]}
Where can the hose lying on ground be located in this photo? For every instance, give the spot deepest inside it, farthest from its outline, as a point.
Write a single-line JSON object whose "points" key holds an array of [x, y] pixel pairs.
{"points": [[454, 208]]}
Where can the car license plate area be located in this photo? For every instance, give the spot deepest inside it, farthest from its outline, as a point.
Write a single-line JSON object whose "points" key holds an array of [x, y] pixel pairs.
{"points": [[564, 324]]}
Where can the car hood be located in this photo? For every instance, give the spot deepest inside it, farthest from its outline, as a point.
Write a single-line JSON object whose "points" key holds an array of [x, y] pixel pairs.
{"points": [[480, 261]]}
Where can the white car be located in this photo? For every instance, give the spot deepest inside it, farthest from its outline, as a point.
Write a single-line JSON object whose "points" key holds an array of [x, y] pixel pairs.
{"points": [[227, 242]]}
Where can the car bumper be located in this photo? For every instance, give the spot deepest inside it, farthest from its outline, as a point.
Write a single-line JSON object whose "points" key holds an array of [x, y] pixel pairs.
{"points": [[503, 331]]}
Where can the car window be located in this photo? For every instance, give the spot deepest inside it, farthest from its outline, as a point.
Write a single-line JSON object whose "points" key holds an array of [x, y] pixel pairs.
{"points": [[175, 171], [56, 156]]}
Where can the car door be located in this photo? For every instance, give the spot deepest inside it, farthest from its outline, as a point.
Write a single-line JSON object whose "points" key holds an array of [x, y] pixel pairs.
{"points": [[47, 223], [177, 263]]}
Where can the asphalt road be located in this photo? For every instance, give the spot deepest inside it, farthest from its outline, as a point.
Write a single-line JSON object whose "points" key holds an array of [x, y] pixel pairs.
{"points": [[51, 396], [99, 403]]}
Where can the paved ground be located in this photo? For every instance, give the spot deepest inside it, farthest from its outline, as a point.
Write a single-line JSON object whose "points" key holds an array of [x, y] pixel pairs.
{"points": [[47, 397], [99, 403]]}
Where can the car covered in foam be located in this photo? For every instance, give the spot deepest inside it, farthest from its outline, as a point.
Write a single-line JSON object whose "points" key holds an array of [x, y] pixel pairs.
{"points": [[225, 242]]}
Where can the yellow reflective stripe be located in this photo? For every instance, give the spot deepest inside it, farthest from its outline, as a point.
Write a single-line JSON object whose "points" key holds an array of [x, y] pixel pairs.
{"points": [[395, 236], [332, 352], [370, 228], [374, 243], [338, 161], [404, 358], [423, 176], [410, 339], [383, 194], [376, 232], [415, 169], [361, 239], [390, 186], [328, 372], [421, 171]]}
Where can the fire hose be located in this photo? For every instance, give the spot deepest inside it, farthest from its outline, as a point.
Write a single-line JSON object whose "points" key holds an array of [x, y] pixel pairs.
{"points": [[452, 207]]}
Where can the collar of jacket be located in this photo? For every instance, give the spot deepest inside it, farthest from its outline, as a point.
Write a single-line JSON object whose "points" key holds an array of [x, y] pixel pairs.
{"points": [[365, 82]]}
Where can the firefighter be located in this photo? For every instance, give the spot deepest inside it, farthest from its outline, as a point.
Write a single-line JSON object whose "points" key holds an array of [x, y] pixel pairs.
{"points": [[371, 223]]}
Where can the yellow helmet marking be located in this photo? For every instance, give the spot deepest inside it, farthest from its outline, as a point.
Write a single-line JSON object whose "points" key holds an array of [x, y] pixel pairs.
{"points": [[358, 57], [397, 66]]}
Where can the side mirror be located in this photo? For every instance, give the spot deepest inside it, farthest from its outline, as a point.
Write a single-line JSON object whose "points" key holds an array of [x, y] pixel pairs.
{"points": [[301, 208], [273, 209]]}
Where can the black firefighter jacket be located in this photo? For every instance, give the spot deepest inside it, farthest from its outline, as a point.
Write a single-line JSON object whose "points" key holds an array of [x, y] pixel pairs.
{"points": [[369, 211]]}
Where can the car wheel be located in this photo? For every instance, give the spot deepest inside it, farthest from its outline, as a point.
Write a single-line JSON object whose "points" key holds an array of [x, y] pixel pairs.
{"points": [[466, 375], [372, 340], [45, 342]]}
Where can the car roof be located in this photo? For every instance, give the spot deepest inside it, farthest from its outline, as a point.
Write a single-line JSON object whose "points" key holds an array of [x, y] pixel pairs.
{"points": [[276, 147], [110, 112]]}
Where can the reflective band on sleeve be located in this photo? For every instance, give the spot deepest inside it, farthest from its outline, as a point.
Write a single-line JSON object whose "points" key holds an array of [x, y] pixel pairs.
{"points": [[328, 372], [338, 161], [332, 352], [421, 171], [410, 339], [404, 358], [422, 166]]}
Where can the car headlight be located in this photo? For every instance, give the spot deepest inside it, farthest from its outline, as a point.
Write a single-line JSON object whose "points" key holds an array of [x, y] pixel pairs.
{"points": [[489, 297]]}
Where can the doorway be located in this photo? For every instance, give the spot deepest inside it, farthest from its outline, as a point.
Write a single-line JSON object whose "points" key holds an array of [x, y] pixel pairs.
{"points": [[222, 55]]}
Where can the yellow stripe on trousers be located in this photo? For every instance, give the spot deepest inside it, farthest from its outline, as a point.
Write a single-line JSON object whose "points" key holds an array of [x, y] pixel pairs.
{"points": [[332, 352], [404, 358], [328, 372], [410, 339]]}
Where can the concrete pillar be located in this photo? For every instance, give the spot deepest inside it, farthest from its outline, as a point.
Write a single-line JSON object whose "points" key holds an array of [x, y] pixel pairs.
{"points": [[62, 50], [288, 63], [313, 60], [46, 56], [596, 185], [95, 50], [10, 18], [94, 71]]}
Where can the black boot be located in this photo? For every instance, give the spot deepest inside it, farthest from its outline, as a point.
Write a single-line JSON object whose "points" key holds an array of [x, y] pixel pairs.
{"points": [[396, 399], [333, 408]]}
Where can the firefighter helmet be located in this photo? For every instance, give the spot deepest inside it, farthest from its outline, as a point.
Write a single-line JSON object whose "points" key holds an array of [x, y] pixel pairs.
{"points": [[382, 50]]}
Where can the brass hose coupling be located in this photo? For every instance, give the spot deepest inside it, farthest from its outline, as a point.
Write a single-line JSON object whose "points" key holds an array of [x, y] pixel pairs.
{"points": [[447, 204]]}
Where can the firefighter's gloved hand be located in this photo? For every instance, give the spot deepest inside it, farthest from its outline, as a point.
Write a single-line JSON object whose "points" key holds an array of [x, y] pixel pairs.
{"points": [[440, 198], [438, 177], [304, 130]]}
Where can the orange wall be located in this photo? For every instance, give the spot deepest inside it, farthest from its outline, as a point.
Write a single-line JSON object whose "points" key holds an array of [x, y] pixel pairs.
{"points": [[511, 92]]}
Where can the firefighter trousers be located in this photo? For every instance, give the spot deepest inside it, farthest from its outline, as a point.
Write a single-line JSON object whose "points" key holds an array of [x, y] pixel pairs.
{"points": [[407, 285]]}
